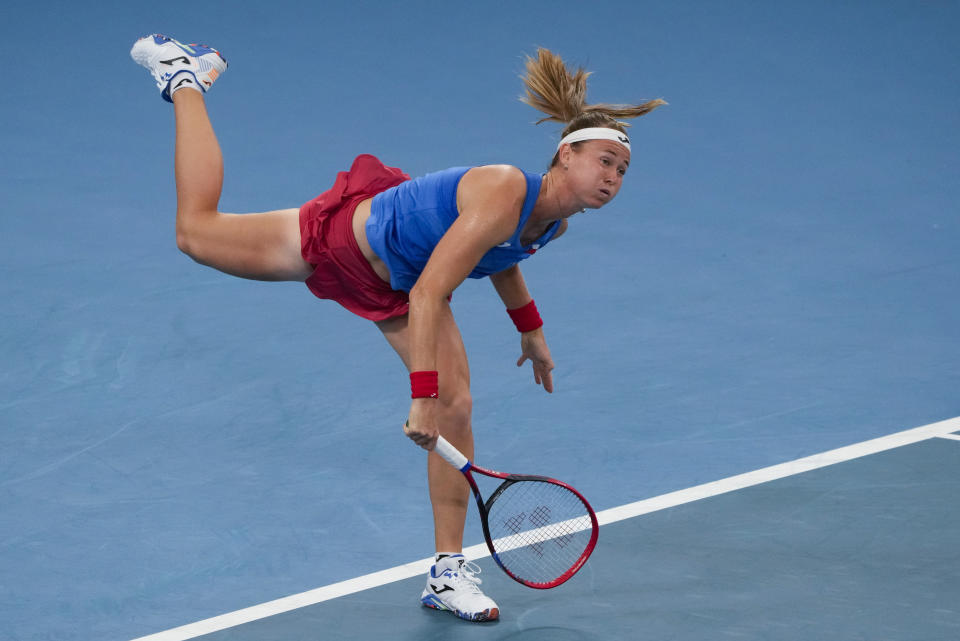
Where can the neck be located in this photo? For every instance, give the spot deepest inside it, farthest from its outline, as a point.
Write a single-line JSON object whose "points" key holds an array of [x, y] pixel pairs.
{"points": [[555, 200]]}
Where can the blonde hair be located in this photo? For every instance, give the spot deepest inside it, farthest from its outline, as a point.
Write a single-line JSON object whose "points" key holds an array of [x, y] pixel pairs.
{"points": [[562, 95]]}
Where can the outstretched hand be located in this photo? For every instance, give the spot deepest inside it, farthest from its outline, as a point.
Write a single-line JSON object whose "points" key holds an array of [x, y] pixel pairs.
{"points": [[534, 348]]}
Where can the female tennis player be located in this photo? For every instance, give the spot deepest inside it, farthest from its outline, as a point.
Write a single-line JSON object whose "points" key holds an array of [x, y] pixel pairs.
{"points": [[392, 250]]}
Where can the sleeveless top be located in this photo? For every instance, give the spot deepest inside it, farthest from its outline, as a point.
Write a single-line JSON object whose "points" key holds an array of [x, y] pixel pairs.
{"points": [[407, 221]]}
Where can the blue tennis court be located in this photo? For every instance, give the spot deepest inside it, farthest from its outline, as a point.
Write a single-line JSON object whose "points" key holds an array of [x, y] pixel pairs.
{"points": [[856, 550], [188, 455]]}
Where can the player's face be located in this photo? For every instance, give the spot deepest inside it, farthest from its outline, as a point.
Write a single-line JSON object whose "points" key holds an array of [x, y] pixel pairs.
{"points": [[596, 171]]}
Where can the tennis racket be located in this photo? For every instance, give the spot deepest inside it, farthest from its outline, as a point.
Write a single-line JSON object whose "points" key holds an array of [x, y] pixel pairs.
{"points": [[540, 531]]}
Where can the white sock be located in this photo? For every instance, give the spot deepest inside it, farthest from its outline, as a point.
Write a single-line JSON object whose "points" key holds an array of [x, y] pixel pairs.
{"points": [[182, 80], [442, 555]]}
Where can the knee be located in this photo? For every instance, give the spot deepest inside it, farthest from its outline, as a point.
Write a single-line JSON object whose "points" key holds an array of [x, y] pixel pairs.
{"points": [[456, 409], [187, 241], [183, 239]]}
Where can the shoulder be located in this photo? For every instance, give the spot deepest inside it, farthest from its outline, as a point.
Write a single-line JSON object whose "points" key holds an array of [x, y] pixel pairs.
{"points": [[491, 197], [501, 181]]}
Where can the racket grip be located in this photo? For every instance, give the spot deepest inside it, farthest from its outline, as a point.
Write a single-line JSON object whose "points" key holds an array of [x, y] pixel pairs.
{"points": [[451, 454]]}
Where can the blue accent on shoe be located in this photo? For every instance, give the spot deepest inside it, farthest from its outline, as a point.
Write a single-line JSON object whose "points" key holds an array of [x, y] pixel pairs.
{"points": [[165, 94], [432, 602], [192, 50], [161, 39]]}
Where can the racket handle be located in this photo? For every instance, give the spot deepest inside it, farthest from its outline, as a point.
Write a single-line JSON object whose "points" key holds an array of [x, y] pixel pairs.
{"points": [[451, 454]]}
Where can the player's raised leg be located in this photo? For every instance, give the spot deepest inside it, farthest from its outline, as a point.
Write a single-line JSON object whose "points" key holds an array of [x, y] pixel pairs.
{"points": [[264, 246]]}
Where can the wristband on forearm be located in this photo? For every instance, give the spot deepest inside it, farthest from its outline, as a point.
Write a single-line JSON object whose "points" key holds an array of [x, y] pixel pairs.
{"points": [[526, 318], [424, 385]]}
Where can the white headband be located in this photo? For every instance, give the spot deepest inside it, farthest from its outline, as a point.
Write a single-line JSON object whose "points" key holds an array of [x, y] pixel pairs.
{"points": [[596, 133]]}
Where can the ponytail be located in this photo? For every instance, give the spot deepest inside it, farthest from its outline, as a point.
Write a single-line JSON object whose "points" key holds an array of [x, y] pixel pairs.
{"points": [[552, 89]]}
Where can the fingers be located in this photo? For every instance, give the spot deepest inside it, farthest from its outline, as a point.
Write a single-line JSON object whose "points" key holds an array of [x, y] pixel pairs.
{"points": [[541, 370], [544, 377], [548, 381], [542, 374], [423, 439]]}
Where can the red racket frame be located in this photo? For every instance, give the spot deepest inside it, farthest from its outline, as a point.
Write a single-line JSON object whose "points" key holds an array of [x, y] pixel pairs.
{"points": [[467, 467]]}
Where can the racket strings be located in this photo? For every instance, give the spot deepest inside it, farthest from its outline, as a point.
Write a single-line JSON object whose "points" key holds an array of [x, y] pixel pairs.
{"points": [[539, 529]]}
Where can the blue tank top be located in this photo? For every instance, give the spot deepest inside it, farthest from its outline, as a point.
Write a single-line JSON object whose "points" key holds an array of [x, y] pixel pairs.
{"points": [[407, 221]]}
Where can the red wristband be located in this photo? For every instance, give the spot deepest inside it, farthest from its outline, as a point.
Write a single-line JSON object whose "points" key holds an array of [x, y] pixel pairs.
{"points": [[424, 385], [526, 318]]}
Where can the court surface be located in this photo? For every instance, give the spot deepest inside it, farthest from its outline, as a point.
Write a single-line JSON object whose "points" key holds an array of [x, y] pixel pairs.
{"points": [[776, 280], [851, 544]]}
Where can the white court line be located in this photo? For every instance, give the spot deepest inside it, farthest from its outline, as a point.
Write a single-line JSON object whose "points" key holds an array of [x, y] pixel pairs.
{"points": [[955, 437], [416, 568]]}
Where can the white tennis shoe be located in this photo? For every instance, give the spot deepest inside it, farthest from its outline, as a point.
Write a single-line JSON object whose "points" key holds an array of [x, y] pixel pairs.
{"points": [[453, 585], [165, 58]]}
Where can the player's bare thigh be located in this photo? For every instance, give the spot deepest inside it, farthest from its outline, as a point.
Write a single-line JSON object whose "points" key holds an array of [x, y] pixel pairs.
{"points": [[451, 354], [262, 246]]}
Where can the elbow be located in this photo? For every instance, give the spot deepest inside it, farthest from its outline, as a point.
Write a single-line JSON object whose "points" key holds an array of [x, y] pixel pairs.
{"points": [[421, 297]]}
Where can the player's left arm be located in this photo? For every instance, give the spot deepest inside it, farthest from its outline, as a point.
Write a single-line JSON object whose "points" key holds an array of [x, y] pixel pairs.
{"points": [[513, 292]]}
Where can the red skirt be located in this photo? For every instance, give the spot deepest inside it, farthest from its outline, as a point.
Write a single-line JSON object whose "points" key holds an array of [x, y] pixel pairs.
{"points": [[341, 272]]}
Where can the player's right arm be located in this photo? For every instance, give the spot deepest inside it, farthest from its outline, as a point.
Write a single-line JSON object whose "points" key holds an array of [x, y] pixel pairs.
{"points": [[489, 200]]}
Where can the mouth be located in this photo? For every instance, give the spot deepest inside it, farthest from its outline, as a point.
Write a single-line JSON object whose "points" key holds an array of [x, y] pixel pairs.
{"points": [[606, 193]]}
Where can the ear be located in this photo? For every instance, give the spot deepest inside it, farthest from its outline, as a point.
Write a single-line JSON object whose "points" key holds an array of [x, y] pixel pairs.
{"points": [[564, 153]]}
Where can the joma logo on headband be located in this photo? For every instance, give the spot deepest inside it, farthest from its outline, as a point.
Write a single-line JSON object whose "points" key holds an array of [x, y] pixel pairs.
{"points": [[623, 139]]}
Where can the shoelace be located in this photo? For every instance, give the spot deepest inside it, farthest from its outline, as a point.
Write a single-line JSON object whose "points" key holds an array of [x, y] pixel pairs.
{"points": [[468, 573]]}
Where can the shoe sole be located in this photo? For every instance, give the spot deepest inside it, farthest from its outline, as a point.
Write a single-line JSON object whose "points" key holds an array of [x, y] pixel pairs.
{"points": [[480, 617]]}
